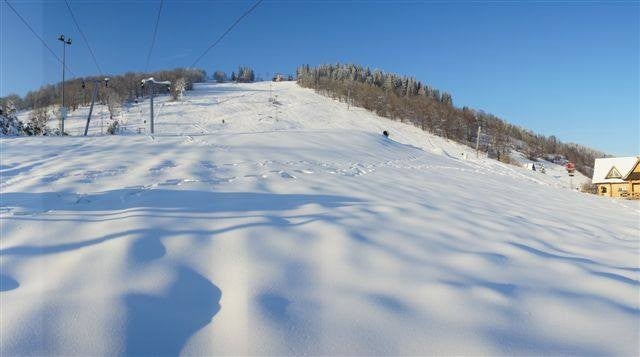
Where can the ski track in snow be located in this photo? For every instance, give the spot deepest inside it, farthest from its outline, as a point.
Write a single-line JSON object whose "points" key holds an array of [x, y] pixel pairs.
{"points": [[311, 234]]}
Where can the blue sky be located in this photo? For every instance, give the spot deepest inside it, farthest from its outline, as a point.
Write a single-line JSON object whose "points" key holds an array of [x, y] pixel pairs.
{"points": [[565, 68]]}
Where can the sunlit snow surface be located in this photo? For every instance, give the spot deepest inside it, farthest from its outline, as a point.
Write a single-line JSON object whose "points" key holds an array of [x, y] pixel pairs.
{"points": [[306, 234]]}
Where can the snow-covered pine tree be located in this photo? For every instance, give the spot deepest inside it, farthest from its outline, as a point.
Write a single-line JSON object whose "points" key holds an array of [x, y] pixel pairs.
{"points": [[9, 122], [37, 124]]}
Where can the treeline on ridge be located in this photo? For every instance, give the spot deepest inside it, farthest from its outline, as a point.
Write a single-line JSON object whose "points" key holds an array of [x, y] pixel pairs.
{"points": [[409, 100], [121, 88]]}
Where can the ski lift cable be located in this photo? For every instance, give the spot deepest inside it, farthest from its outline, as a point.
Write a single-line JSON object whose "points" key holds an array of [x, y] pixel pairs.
{"points": [[153, 37], [86, 41], [227, 32], [39, 38]]}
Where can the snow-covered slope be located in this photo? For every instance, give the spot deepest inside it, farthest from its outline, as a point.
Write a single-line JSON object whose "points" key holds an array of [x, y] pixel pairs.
{"points": [[301, 232]]}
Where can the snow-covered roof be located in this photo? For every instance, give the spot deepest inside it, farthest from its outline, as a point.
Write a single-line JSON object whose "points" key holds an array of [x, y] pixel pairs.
{"points": [[613, 169]]}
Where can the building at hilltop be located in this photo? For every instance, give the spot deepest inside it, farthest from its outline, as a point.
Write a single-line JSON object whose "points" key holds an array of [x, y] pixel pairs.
{"points": [[279, 77], [617, 176]]}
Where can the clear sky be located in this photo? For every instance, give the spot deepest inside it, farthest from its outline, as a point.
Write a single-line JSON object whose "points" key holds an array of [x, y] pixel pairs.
{"points": [[565, 68]]}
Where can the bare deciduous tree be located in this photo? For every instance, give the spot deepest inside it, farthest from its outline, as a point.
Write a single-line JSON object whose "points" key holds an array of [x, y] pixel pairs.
{"points": [[177, 88]]}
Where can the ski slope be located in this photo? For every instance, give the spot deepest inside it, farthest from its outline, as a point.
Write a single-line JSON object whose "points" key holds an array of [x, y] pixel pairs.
{"points": [[236, 229]]}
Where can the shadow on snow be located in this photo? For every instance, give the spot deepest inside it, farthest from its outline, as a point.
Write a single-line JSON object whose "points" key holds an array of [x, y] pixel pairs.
{"points": [[162, 325], [161, 200]]}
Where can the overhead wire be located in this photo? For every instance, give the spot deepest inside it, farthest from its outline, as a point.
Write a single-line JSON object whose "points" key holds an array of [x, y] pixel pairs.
{"points": [[39, 38], [86, 41], [153, 37], [226, 32]]}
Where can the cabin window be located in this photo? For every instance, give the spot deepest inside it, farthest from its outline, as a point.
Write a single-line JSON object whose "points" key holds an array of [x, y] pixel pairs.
{"points": [[603, 189], [622, 188], [614, 174]]}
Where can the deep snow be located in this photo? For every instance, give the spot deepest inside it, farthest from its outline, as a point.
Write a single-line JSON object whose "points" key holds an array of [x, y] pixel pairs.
{"points": [[309, 234]]}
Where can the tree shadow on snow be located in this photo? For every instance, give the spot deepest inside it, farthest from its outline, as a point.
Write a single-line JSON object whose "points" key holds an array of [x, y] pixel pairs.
{"points": [[274, 306], [162, 200], [147, 248], [521, 343], [162, 325], [8, 283], [159, 202]]}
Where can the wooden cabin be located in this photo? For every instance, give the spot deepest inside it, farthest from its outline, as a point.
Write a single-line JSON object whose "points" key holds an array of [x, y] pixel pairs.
{"points": [[618, 177]]}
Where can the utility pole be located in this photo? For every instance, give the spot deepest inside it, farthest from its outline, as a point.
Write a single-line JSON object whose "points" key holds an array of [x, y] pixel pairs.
{"points": [[152, 84], [348, 98], [571, 168], [84, 93], [151, 93], [96, 83], [478, 141], [275, 105], [63, 109]]}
